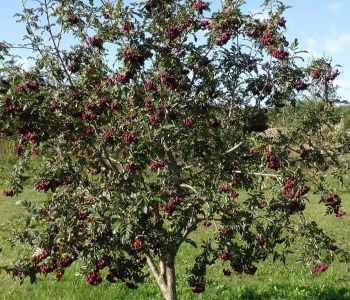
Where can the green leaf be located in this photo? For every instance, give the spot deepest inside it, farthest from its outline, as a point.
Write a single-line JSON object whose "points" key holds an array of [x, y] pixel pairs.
{"points": [[191, 242]]}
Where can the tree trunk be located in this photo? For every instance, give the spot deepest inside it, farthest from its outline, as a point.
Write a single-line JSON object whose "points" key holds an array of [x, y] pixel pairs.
{"points": [[170, 293], [165, 277]]}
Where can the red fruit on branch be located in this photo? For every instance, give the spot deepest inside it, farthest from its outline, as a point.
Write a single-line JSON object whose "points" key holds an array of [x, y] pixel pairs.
{"points": [[321, 268], [9, 193]]}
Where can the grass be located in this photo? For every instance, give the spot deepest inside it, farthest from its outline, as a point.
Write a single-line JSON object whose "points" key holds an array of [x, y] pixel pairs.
{"points": [[272, 280]]}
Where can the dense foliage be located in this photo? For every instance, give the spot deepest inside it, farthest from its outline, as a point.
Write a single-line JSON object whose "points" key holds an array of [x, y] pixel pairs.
{"points": [[137, 155]]}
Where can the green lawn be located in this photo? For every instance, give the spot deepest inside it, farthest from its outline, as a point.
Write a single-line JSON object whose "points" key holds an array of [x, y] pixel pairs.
{"points": [[271, 281]]}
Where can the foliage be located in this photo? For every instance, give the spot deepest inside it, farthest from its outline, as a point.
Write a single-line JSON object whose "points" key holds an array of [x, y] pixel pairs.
{"points": [[135, 158]]}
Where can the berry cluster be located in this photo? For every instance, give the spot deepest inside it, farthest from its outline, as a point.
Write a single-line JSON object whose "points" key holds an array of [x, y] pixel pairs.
{"points": [[288, 183], [160, 113], [107, 135], [73, 68], [165, 49], [223, 210], [131, 117], [132, 56], [88, 117], [157, 164], [188, 122], [153, 120], [148, 104], [72, 19], [230, 122], [7, 133], [223, 188], [234, 195], [300, 85], [40, 257], [224, 38], [261, 205], [226, 272], [141, 260], [82, 216], [198, 287], [273, 163], [42, 185], [169, 81], [32, 86], [47, 269], [261, 240], [64, 262], [126, 27], [198, 5], [130, 138], [176, 201], [89, 131], [149, 85], [224, 256], [115, 108], [124, 78], [95, 41], [103, 102], [279, 53], [266, 39], [303, 153], [206, 224], [340, 214], [293, 207], [316, 74], [89, 106], [173, 32], [77, 96], [9, 193], [101, 265], [131, 167], [281, 22], [17, 150], [93, 278], [167, 208], [251, 270], [321, 268], [302, 191], [186, 23]]}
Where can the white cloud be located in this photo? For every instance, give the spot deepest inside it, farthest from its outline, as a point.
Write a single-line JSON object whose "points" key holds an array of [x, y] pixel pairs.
{"points": [[342, 83], [24, 63], [338, 45], [334, 7], [311, 42]]}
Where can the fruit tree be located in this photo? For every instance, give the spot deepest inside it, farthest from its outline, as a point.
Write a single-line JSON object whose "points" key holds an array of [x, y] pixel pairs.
{"points": [[149, 119]]}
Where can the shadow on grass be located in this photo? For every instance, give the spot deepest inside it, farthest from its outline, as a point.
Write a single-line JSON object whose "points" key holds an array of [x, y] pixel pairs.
{"points": [[278, 291]]}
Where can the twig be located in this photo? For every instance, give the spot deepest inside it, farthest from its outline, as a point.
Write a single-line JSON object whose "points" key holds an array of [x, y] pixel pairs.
{"points": [[234, 148]]}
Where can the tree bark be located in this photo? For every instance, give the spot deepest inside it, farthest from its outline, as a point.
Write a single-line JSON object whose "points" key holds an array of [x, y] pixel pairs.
{"points": [[171, 280], [165, 278]]}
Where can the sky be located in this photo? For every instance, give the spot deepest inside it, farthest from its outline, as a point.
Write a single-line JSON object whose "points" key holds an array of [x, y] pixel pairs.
{"points": [[321, 26]]}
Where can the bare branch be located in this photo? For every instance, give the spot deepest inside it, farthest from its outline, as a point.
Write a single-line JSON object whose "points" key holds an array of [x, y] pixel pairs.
{"points": [[234, 148], [54, 44], [153, 267]]}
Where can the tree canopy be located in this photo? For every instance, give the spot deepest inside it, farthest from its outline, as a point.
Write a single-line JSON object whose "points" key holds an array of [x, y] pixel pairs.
{"points": [[138, 152]]}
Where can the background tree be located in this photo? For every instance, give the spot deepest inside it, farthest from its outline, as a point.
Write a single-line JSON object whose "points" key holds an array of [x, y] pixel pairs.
{"points": [[136, 157]]}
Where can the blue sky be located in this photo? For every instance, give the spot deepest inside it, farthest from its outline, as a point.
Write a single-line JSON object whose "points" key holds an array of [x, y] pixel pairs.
{"points": [[321, 26]]}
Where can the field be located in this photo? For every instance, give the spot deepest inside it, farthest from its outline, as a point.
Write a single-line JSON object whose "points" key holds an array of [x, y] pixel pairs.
{"points": [[271, 281]]}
